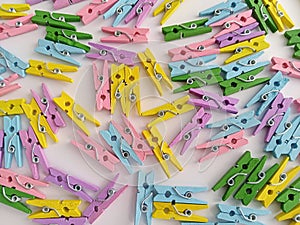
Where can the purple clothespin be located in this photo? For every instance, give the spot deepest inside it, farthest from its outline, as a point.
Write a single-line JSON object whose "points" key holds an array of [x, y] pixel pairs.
{"points": [[71, 184], [58, 4], [209, 100], [274, 115], [32, 2], [103, 200], [191, 130], [61, 221], [34, 152], [1, 147]]}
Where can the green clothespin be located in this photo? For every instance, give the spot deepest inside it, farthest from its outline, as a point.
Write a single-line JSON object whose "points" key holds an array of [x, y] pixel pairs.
{"points": [[292, 36], [198, 79], [68, 37], [290, 197], [296, 54], [58, 20], [185, 30], [255, 182], [237, 174], [243, 82], [12, 197]]}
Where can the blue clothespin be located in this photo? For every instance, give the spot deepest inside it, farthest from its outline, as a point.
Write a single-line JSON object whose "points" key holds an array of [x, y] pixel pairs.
{"points": [[268, 93], [121, 8], [120, 147], [2, 70], [234, 124], [191, 65], [223, 10], [13, 63], [59, 51], [241, 215], [12, 141], [144, 197], [243, 65]]}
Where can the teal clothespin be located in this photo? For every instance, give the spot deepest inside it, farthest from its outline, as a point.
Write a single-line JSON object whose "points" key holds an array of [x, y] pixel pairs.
{"points": [[185, 30]]}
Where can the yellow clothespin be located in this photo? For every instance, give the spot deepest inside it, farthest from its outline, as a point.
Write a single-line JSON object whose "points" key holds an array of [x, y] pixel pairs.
{"points": [[178, 211], [277, 183], [168, 7], [11, 107], [245, 48], [154, 70], [78, 114], [117, 85], [50, 70], [294, 215], [169, 110], [38, 122], [161, 150], [55, 208], [279, 15], [8, 11]]}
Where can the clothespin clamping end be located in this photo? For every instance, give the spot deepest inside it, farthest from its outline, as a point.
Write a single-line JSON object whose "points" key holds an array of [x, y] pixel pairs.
{"points": [[125, 35], [291, 215], [168, 7], [292, 36], [59, 4], [7, 85], [62, 220], [290, 68], [12, 107], [8, 11]]}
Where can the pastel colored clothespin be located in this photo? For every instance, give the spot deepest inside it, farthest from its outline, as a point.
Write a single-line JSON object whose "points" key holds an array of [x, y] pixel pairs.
{"points": [[223, 10], [54, 208], [141, 10], [121, 9], [209, 100], [245, 48], [75, 112], [12, 62], [8, 11], [184, 30], [33, 2], [191, 130], [11, 107], [21, 183], [268, 93], [292, 36], [292, 215], [241, 215], [59, 51], [7, 85], [168, 110], [58, 20], [209, 223], [125, 35], [1, 147], [2, 70], [16, 27], [144, 197], [277, 183], [112, 54], [243, 82], [296, 103], [12, 145], [71, 184], [168, 7], [96, 151], [62, 221], [120, 147], [287, 67], [161, 150], [154, 70], [58, 4], [223, 145]]}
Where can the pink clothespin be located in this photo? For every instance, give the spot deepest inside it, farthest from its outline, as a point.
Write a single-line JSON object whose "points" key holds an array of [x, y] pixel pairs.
{"points": [[16, 27], [210, 100], [6, 85], [103, 200], [223, 145], [49, 109], [141, 9], [96, 151], [297, 103], [58, 4], [191, 130], [194, 50], [94, 9], [1, 147], [290, 68], [34, 152], [133, 138], [21, 183], [62, 221], [274, 115], [125, 35], [32, 2]]}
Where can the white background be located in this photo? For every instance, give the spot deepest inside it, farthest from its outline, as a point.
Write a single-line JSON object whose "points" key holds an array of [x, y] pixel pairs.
{"points": [[66, 157]]}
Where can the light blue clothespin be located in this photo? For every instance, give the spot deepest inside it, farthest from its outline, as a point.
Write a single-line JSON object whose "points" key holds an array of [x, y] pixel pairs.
{"points": [[234, 124], [268, 93], [241, 215], [12, 141], [59, 51], [120, 147], [191, 65], [2, 70], [13, 63], [242, 66], [121, 8], [223, 10], [144, 197]]}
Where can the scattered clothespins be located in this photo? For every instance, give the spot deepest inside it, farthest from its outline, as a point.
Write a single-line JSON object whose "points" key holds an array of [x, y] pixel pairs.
{"points": [[292, 215], [7, 85], [290, 68], [58, 4], [11, 107], [168, 7], [62, 221], [8, 11], [125, 35]]}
